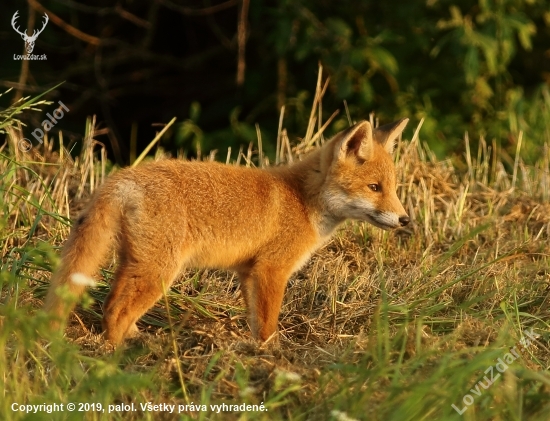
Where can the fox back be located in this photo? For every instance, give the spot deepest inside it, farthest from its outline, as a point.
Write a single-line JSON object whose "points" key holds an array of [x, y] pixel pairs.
{"points": [[264, 224]]}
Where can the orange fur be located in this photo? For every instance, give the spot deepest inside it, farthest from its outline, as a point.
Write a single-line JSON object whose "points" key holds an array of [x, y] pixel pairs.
{"points": [[263, 224]]}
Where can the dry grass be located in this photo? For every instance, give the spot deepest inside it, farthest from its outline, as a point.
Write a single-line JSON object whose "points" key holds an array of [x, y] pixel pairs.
{"points": [[378, 325]]}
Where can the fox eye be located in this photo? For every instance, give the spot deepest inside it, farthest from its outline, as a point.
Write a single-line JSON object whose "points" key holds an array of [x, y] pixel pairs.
{"points": [[374, 187]]}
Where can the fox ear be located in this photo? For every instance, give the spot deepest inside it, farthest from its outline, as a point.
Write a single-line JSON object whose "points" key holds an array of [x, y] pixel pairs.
{"points": [[386, 135], [357, 141]]}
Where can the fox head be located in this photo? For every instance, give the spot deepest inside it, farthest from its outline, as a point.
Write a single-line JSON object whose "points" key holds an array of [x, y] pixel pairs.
{"points": [[360, 178]]}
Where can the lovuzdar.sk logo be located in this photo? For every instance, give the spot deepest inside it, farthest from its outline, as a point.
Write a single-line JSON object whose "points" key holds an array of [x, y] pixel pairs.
{"points": [[29, 40]]}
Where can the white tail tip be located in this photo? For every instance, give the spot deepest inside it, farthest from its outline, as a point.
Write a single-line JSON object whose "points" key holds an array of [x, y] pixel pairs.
{"points": [[83, 280]]}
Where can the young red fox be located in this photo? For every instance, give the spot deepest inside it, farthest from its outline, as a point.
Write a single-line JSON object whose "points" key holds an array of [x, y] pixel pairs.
{"points": [[263, 224]]}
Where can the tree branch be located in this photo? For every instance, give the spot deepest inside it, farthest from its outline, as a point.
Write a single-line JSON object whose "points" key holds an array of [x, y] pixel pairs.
{"points": [[64, 25], [198, 12]]}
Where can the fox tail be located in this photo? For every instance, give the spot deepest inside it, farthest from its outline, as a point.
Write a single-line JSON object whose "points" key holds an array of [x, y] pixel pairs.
{"points": [[88, 244]]}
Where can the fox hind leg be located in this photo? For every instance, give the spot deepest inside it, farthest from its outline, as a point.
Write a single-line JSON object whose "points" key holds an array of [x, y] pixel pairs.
{"points": [[137, 287]]}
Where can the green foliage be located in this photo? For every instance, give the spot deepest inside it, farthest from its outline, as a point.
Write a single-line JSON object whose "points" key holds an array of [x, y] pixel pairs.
{"points": [[455, 64], [484, 41], [8, 116], [468, 65]]}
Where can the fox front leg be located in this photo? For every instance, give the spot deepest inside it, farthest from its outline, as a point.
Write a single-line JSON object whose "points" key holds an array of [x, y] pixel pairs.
{"points": [[263, 289]]}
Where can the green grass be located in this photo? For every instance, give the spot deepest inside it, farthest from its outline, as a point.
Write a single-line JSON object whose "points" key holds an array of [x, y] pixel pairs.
{"points": [[378, 326]]}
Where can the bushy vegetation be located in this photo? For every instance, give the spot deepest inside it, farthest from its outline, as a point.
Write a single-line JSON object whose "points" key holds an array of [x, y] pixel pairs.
{"points": [[464, 65]]}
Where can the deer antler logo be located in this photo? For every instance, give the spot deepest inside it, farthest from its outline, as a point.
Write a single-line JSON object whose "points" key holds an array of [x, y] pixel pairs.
{"points": [[29, 41]]}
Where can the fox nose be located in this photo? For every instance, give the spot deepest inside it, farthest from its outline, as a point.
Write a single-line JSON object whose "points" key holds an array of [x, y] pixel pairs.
{"points": [[404, 220]]}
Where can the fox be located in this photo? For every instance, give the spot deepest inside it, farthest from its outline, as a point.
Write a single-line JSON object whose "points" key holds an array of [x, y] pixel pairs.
{"points": [[264, 224]]}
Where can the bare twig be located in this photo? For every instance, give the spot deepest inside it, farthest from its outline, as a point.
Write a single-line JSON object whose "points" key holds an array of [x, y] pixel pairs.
{"points": [[241, 36], [64, 25], [198, 12]]}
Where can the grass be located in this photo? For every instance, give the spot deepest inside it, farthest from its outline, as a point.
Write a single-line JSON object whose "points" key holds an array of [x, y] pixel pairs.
{"points": [[378, 326]]}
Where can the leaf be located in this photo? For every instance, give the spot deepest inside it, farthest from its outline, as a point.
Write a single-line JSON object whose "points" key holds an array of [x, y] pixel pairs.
{"points": [[366, 91], [194, 111], [471, 65], [344, 87], [381, 58]]}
